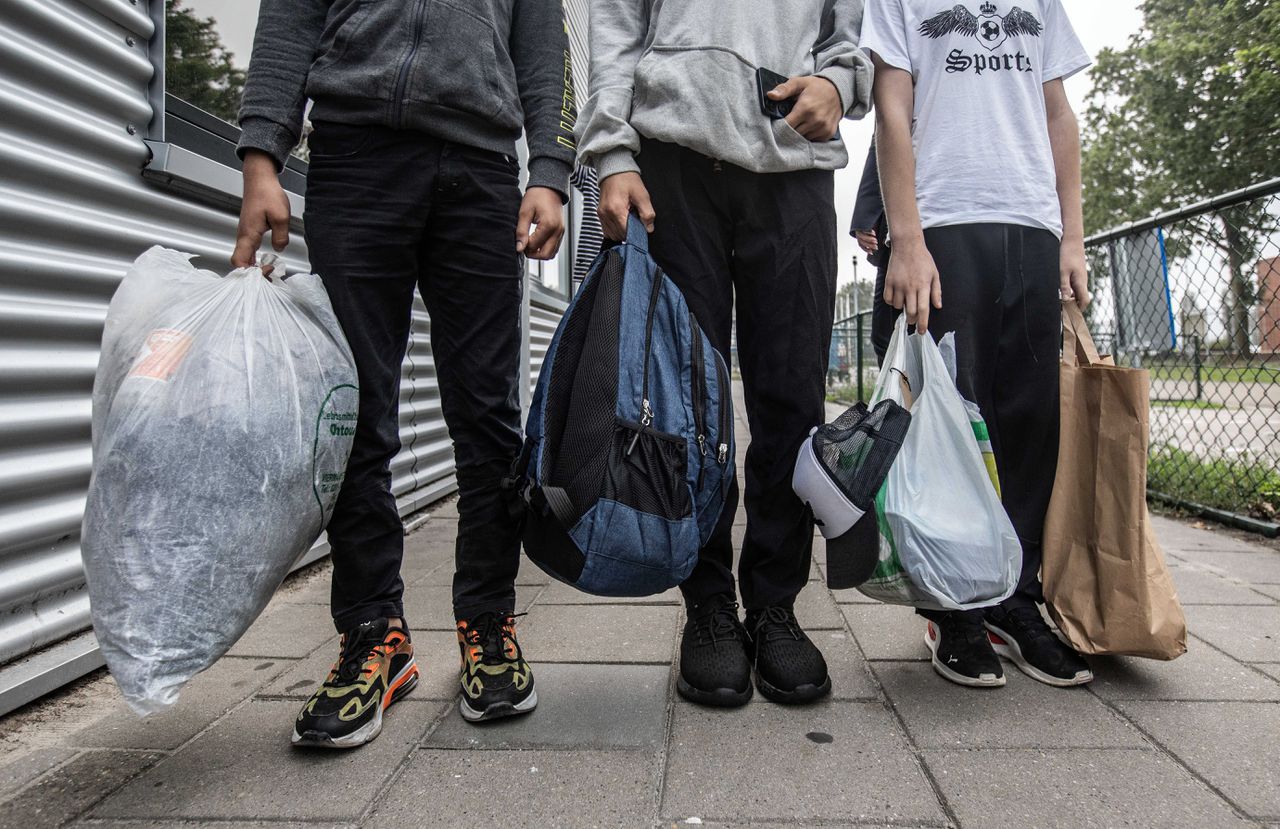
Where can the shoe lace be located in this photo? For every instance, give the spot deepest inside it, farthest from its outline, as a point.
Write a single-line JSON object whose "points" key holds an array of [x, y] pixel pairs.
{"points": [[359, 647], [1029, 621], [969, 634], [777, 623], [720, 625], [491, 632]]}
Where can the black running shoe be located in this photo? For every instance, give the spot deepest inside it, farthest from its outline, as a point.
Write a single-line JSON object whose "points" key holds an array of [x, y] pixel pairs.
{"points": [[789, 668], [374, 669], [714, 668], [962, 653], [1020, 635], [496, 681]]}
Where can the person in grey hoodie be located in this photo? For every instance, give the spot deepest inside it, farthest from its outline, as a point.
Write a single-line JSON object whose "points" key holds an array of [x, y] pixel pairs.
{"points": [[413, 187], [740, 208]]}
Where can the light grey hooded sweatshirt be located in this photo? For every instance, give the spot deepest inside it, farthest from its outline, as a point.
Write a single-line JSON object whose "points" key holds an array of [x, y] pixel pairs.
{"points": [[684, 71]]}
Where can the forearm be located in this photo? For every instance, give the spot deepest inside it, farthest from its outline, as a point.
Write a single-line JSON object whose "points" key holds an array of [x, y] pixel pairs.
{"points": [[894, 155], [540, 53], [1064, 140], [284, 46], [606, 139]]}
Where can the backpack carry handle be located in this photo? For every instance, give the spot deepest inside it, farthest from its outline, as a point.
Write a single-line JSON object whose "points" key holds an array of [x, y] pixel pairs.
{"points": [[636, 234]]}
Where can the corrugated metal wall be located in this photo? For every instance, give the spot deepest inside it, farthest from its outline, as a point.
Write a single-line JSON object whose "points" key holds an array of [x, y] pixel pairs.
{"points": [[73, 213], [544, 316]]}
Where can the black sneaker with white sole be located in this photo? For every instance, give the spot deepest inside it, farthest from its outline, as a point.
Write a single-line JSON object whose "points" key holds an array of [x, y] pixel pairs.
{"points": [[714, 666], [1020, 635], [789, 668], [962, 652]]}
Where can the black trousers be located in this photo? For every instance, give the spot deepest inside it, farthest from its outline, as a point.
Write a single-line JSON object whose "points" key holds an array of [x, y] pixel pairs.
{"points": [[768, 243], [391, 212], [883, 315], [1000, 297]]}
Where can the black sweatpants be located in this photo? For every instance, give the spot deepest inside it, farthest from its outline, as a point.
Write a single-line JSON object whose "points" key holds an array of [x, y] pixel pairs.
{"points": [[391, 212], [768, 241], [1000, 297], [883, 315]]}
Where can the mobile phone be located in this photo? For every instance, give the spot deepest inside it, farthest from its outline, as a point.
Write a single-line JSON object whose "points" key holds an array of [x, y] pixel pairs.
{"points": [[766, 80]]}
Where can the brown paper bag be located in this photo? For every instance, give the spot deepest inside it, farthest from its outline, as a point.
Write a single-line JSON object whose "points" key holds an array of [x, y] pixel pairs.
{"points": [[1105, 579]]}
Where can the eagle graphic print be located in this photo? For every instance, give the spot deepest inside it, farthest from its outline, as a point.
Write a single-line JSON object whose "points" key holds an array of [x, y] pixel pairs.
{"points": [[990, 29]]}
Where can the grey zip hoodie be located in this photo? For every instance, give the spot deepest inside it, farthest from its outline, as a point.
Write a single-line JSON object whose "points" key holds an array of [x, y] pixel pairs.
{"points": [[684, 71], [471, 71]]}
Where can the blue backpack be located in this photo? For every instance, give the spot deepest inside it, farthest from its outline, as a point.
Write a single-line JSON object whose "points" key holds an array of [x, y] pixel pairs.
{"points": [[629, 443]]}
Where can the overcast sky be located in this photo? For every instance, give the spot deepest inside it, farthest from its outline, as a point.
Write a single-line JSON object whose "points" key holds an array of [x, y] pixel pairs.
{"points": [[1100, 23]]}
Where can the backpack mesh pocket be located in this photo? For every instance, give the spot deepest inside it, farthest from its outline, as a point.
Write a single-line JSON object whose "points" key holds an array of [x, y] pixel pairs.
{"points": [[647, 471]]}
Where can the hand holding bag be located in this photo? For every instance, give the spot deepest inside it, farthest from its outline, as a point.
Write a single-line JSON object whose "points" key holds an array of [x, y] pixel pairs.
{"points": [[1105, 579]]}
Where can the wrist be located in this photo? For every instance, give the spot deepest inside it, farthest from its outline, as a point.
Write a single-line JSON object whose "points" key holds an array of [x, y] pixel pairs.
{"points": [[830, 82], [912, 240], [258, 164]]}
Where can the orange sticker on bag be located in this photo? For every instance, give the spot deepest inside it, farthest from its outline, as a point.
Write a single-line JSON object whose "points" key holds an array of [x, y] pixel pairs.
{"points": [[164, 351]]}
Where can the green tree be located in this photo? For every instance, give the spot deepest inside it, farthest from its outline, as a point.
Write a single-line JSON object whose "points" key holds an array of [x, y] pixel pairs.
{"points": [[198, 68], [1188, 110]]}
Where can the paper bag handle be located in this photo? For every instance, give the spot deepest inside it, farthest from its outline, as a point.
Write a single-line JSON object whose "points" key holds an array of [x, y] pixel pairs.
{"points": [[1077, 343]]}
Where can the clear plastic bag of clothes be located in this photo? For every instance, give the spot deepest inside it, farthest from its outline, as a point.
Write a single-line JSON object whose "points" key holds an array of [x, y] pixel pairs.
{"points": [[223, 413]]}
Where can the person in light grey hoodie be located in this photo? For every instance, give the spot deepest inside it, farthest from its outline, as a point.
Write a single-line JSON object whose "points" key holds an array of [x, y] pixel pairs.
{"points": [[740, 208]]}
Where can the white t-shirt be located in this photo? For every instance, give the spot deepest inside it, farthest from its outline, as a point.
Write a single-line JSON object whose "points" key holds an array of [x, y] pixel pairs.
{"points": [[979, 130]]}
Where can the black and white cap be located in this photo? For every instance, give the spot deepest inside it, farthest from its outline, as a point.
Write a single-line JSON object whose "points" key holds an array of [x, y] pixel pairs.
{"points": [[839, 470]]}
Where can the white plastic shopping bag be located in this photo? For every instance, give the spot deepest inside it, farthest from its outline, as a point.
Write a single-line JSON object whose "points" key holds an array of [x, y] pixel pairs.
{"points": [[945, 541], [223, 413]]}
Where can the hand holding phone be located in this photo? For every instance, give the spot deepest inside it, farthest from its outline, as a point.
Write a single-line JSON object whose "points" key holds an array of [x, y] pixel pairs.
{"points": [[766, 80]]}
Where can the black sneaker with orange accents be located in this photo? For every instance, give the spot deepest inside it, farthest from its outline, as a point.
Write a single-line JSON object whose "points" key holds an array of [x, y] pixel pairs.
{"points": [[374, 669], [496, 681]]}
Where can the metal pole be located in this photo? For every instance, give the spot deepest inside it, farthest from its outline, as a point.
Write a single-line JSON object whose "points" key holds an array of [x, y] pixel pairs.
{"points": [[1198, 363], [859, 357]]}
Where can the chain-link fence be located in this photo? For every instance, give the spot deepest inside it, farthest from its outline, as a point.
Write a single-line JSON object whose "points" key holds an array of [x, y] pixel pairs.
{"points": [[1193, 296], [851, 369]]}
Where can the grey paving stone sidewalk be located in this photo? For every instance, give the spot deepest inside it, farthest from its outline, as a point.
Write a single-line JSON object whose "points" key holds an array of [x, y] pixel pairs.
{"points": [[1193, 743]]}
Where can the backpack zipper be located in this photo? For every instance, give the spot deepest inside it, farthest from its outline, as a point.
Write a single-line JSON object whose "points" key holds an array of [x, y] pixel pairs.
{"points": [[699, 385], [699, 394], [402, 79], [726, 407], [646, 412]]}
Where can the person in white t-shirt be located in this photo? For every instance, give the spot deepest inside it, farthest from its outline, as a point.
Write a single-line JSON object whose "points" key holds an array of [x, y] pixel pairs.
{"points": [[979, 156]]}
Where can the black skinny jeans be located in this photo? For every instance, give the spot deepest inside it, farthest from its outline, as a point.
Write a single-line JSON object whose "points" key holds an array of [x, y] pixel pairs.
{"points": [[390, 212], [766, 242]]}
